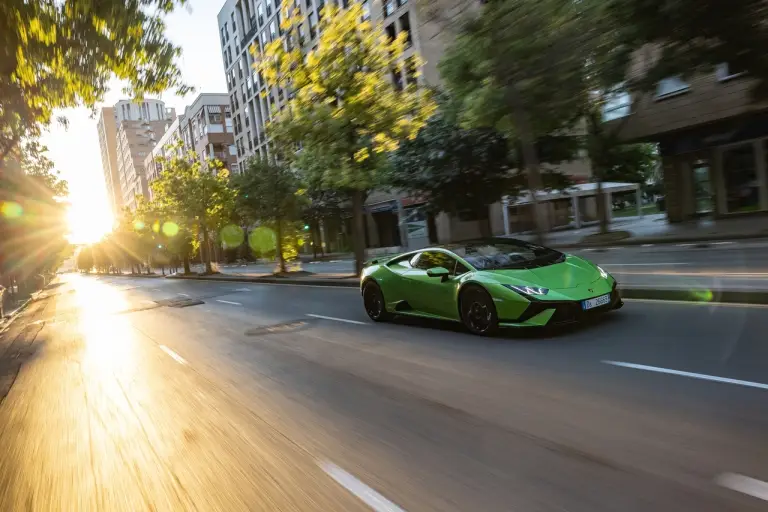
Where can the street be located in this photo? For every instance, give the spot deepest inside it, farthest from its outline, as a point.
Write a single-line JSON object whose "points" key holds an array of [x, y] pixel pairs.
{"points": [[156, 394], [722, 265]]}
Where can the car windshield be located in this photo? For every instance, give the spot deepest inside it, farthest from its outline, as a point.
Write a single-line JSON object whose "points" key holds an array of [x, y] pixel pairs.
{"points": [[507, 254]]}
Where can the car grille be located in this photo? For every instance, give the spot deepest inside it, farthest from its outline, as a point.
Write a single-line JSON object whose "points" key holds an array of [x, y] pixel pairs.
{"points": [[566, 311]]}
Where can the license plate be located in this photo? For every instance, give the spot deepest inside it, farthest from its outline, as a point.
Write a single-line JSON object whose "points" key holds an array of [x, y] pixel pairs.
{"points": [[596, 302]]}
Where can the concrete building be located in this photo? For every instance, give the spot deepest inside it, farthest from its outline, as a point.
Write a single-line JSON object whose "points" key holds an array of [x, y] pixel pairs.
{"points": [[206, 128], [127, 133], [712, 137]]}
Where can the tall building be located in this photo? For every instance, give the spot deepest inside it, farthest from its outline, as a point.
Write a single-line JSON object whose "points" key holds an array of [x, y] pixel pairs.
{"points": [[127, 133], [243, 23], [206, 128]]}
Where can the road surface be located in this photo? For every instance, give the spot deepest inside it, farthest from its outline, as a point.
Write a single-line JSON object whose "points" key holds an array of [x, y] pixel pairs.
{"points": [[279, 397]]}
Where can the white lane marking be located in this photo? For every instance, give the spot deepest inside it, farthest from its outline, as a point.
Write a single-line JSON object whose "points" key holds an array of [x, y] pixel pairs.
{"points": [[183, 294], [647, 245], [242, 289], [173, 354], [638, 264], [700, 303], [228, 302], [744, 484], [367, 495], [722, 243], [692, 375], [155, 289], [337, 319]]}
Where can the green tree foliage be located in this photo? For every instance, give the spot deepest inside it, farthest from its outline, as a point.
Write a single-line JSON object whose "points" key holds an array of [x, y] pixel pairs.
{"points": [[695, 36], [196, 197], [343, 108], [85, 259], [267, 193], [33, 214], [457, 168], [62, 54]]}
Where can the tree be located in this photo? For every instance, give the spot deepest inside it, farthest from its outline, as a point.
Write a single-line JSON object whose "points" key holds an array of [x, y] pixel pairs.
{"points": [[691, 36], [85, 259], [267, 192], [445, 162], [198, 196], [62, 54], [519, 67], [343, 109], [33, 214]]}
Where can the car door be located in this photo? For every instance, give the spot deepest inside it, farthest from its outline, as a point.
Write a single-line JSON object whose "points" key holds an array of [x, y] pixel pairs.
{"points": [[432, 295]]}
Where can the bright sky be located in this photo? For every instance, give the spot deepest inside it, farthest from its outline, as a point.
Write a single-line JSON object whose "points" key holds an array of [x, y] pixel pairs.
{"points": [[75, 151]]}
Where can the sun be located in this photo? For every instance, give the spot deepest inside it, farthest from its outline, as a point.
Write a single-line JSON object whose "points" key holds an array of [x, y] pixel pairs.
{"points": [[87, 226]]}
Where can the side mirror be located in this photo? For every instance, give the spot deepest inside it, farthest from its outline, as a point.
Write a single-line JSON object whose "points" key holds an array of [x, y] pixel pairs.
{"points": [[440, 272]]}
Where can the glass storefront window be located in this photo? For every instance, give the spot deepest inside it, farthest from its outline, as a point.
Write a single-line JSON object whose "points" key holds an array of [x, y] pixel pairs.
{"points": [[742, 191]]}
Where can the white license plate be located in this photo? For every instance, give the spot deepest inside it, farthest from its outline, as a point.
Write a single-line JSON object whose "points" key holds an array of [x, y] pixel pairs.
{"points": [[596, 302]]}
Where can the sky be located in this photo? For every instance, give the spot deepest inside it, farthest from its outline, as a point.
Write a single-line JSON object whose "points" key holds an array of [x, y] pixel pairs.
{"points": [[75, 150]]}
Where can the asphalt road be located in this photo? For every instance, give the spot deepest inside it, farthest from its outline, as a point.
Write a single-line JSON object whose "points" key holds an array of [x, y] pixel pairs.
{"points": [[288, 398], [724, 265]]}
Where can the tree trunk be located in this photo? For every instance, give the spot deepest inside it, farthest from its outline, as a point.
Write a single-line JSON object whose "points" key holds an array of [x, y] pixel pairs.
{"points": [[187, 270], [207, 246], [314, 231], [358, 230], [602, 208], [530, 158], [279, 251]]}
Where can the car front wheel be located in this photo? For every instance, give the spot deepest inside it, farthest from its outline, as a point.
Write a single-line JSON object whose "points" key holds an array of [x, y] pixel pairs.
{"points": [[373, 300], [478, 312]]}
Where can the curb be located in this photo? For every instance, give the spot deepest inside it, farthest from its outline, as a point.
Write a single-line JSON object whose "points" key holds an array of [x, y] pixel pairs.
{"points": [[629, 242], [702, 295], [9, 319], [340, 283]]}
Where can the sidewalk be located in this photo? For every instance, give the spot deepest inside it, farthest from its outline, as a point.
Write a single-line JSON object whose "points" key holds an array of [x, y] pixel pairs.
{"points": [[655, 229]]}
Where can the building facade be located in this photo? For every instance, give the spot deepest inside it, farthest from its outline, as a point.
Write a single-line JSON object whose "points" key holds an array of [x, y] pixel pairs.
{"points": [[206, 127], [127, 133], [712, 136]]}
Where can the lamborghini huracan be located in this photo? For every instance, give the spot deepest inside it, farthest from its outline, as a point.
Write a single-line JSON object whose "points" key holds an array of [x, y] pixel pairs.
{"points": [[488, 284]]}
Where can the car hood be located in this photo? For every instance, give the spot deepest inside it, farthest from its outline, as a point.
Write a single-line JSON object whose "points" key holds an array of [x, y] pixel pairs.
{"points": [[571, 273]]}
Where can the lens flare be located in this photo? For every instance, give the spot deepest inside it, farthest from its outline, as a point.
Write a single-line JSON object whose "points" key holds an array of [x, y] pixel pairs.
{"points": [[170, 228], [138, 225], [11, 210], [262, 239], [232, 235]]}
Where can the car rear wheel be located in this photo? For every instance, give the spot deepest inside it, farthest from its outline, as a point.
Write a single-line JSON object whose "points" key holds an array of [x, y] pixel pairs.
{"points": [[478, 312], [373, 300]]}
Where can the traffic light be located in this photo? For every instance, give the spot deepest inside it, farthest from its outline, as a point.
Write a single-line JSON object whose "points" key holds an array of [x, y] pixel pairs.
{"points": [[306, 227]]}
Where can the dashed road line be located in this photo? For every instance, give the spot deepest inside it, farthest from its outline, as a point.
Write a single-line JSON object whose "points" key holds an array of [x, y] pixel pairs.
{"points": [[743, 484], [337, 319], [173, 354], [183, 294], [373, 499], [692, 375], [228, 302]]}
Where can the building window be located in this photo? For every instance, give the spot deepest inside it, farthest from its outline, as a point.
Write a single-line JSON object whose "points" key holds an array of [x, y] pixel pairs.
{"points": [[390, 30], [742, 189], [312, 26], [269, 8], [618, 104], [397, 79], [264, 39], [389, 7], [234, 25], [272, 31], [320, 6], [405, 26], [671, 86], [410, 71], [366, 11], [401, 2], [727, 71]]}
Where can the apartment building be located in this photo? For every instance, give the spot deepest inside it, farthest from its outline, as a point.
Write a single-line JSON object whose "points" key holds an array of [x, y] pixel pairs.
{"points": [[127, 133], [712, 138], [206, 127]]}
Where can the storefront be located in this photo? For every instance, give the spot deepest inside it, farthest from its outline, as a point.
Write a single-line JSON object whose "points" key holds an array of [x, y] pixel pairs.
{"points": [[718, 170]]}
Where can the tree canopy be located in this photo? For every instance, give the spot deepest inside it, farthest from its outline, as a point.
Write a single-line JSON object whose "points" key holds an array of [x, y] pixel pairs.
{"points": [[62, 54], [343, 109]]}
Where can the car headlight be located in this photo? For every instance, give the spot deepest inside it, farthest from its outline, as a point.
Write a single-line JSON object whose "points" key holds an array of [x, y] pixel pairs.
{"points": [[527, 290], [603, 273]]}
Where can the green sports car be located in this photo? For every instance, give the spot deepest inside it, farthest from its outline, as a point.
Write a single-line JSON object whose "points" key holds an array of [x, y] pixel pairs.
{"points": [[500, 282]]}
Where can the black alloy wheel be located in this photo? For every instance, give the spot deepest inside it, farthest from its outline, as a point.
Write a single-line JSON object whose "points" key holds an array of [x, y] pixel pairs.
{"points": [[373, 300], [478, 312]]}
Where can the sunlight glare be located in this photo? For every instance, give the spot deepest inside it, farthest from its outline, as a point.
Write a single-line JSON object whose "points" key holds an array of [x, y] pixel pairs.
{"points": [[87, 226]]}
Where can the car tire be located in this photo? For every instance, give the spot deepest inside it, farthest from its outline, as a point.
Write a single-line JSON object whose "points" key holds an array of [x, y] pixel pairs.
{"points": [[373, 301], [478, 312]]}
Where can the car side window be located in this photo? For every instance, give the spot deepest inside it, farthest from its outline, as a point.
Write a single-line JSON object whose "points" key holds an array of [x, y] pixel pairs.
{"points": [[432, 259], [460, 269]]}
